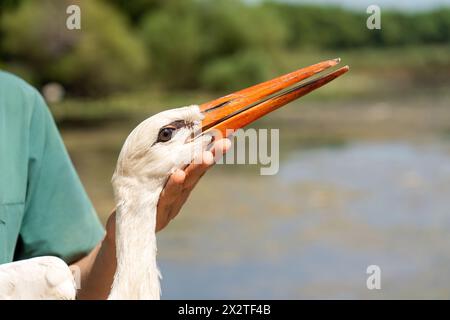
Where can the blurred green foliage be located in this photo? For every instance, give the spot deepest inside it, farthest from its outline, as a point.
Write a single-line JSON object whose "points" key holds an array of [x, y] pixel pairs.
{"points": [[192, 41], [102, 57], [190, 44], [236, 71]]}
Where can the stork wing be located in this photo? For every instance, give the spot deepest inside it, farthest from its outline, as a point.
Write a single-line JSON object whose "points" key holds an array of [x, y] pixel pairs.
{"points": [[46, 278]]}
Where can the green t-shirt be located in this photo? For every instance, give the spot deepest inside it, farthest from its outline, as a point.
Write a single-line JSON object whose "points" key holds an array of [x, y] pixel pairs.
{"points": [[44, 209]]}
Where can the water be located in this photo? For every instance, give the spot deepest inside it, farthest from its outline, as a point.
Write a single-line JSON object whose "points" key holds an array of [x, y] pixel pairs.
{"points": [[312, 230]]}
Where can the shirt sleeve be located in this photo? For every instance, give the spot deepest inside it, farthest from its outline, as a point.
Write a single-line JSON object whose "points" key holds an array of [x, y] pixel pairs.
{"points": [[59, 219]]}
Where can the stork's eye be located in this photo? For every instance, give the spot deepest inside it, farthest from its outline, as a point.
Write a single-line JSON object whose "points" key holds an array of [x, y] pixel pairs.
{"points": [[165, 134]]}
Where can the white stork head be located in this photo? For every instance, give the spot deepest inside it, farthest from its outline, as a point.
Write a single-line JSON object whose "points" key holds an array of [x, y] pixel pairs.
{"points": [[160, 144], [170, 140]]}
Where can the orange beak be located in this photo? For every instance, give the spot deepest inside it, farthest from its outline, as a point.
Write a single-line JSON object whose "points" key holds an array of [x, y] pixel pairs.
{"points": [[241, 108]]}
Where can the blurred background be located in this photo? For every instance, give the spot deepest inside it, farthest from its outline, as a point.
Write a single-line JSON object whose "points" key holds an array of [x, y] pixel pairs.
{"points": [[365, 161]]}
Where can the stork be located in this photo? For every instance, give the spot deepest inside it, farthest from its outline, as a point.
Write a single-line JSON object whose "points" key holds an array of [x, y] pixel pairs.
{"points": [[163, 143], [153, 150]]}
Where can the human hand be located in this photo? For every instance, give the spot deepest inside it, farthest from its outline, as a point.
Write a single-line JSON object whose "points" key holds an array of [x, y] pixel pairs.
{"points": [[182, 182]]}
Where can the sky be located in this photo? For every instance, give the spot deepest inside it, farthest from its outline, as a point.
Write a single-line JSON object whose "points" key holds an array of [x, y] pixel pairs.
{"points": [[410, 5]]}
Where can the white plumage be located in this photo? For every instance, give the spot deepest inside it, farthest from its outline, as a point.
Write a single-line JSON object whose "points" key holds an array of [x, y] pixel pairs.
{"points": [[142, 170], [37, 278]]}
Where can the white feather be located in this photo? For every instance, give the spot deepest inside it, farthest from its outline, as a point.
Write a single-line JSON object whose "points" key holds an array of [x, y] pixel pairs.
{"points": [[141, 172], [37, 278]]}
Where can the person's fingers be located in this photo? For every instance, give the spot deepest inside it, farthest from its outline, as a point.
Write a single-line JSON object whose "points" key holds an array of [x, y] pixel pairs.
{"points": [[178, 203], [220, 147], [172, 188], [195, 170], [168, 197], [181, 183], [177, 177], [174, 183]]}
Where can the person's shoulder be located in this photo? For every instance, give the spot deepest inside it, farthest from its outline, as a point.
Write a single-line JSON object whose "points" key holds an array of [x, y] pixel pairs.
{"points": [[18, 95], [11, 83]]}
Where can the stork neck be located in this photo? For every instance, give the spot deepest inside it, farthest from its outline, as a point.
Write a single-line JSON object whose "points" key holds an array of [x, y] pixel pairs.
{"points": [[137, 275]]}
